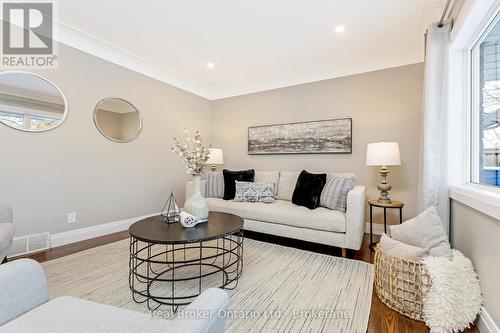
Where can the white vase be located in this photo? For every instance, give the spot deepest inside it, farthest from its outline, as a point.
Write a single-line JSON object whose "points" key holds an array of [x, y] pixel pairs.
{"points": [[196, 204]]}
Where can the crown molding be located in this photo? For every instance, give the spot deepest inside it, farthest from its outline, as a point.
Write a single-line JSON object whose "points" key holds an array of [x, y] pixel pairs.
{"points": [[82, 41], [356, 66], [85, 42]]}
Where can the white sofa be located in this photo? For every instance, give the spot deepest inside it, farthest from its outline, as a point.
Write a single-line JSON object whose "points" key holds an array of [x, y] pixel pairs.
{"points": [[283, 218], [25, 307]]}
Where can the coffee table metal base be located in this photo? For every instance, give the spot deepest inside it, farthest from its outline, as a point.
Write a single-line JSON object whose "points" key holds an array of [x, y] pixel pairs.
{"points": [[154, 269]]}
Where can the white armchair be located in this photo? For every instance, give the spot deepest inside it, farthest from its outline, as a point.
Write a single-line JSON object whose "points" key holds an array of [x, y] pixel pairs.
{"points": [[6, 231], [25, 307]]}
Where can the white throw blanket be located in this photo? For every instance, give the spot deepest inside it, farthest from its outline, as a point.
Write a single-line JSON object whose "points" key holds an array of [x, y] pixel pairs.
{"points": [[454, 299]]}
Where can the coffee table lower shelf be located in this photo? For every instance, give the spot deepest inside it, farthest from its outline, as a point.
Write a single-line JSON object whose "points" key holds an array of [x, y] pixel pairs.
{"points": [[183, 269]]}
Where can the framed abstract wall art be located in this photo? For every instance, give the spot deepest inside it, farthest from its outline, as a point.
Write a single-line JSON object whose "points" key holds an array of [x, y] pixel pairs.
{"points": [[333, 136]]}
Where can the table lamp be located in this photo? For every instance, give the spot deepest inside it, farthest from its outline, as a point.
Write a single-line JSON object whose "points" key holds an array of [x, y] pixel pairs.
{"points": [[383, 154], [215, 157]]}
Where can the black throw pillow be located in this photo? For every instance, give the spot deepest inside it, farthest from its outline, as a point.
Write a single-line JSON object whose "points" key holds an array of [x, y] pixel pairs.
{"points": [[230, 178], [308, 189]]}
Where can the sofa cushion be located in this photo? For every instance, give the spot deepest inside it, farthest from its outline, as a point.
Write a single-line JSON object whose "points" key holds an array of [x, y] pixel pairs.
{"points": [[230, 178], [269, 176], [308, 189], [283, 212], [286, 185]]}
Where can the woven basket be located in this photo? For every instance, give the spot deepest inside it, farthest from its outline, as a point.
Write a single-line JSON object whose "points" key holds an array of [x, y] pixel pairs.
{"points": [[401, 284]]}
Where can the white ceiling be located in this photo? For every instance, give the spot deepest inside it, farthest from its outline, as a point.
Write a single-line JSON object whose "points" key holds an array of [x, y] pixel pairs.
{"points": [[255, 44], [27, 83]]}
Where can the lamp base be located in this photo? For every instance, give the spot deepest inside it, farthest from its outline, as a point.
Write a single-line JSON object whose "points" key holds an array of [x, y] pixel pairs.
{"points": [[384, 187], [384, 200], [213, 167]]}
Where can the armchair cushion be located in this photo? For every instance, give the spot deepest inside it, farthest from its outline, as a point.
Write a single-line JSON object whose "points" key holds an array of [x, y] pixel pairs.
{"points": [[24, 307], [5, 214], [69, 314], [23, 288], [6, 235]]}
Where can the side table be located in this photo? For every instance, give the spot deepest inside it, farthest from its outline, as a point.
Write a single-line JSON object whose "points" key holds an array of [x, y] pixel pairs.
{"points": [[385, 205]]}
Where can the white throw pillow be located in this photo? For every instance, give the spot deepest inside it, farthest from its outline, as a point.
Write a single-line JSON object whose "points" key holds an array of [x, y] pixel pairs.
{"points": [[402, 250], [288, 180], [215, 184], [334, 194], [426, 231]]}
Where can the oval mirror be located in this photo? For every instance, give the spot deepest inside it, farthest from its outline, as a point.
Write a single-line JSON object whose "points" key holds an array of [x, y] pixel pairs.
{"points": [[117, 119], [28, 102]]}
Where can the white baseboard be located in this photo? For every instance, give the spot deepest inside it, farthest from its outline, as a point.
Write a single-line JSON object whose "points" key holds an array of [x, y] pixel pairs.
{"points": [[378, 229], [77, 235], [72, 236], [485, 323]]}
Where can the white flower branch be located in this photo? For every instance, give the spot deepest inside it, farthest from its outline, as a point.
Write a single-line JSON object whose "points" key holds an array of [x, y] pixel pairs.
{"points": [[192, 153]]}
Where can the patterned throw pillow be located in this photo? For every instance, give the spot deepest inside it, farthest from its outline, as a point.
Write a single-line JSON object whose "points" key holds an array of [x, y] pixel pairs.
{"points": [[215, 184], [254, 192], [334, 195]]}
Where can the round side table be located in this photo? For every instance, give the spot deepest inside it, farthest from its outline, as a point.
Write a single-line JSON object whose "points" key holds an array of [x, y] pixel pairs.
{"points": [[385, 205]]}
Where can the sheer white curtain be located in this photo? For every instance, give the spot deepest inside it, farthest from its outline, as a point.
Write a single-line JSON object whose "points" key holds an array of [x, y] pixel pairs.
{"points": [[433, 178]]}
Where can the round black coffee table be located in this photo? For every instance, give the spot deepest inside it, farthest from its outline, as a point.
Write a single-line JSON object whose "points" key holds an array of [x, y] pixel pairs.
{"points": [[172, 265]]}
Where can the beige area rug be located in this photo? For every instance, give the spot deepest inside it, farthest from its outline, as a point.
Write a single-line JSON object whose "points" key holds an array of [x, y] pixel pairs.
{"points": [[281, 289]]}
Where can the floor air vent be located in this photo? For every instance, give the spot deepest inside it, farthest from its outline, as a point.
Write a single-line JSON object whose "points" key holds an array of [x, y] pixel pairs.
{"points": [[29, 244]]}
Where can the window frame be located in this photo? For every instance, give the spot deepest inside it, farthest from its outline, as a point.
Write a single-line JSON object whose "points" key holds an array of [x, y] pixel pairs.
{"points": [[473, 88], [469, 27]]}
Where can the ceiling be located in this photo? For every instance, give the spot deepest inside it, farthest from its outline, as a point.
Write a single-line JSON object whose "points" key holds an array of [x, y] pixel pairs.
{"points": [[30, 84], [255, 45]]}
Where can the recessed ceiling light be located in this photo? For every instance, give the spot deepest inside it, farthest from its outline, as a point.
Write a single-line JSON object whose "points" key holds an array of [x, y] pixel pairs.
{"points": [[210, 65], [339, 29]]}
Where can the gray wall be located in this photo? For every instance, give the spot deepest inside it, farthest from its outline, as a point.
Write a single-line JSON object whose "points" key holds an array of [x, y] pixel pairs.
{"points": [[385, 106], [477, 236], [75, 169]]}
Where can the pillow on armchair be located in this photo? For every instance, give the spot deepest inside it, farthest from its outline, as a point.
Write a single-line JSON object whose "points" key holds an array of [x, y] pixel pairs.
{"points": [[426, 230], [230, 178], [402, 250]]}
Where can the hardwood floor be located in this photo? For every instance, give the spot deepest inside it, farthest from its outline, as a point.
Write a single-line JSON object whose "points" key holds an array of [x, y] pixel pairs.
{"points": [[382, 319]]}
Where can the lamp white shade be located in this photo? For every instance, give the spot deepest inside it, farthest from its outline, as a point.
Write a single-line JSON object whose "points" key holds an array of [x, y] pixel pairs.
{"points": [[383, 154], [216, 156]]}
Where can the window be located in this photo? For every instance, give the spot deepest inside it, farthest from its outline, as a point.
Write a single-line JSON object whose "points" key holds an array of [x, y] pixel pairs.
{"points": [[13, 119], [485, 120], [27, 120]]}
